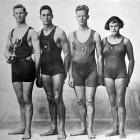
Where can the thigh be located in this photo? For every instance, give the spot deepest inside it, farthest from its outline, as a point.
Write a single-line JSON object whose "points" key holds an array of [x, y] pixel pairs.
{"points": [[121, 85], [27, 90], [80, 92], [28, 70], [110, 86], [47, 84], [92, 78], [58, 82], [18, 88], [90, 93], [16, 73], [77, 76]]}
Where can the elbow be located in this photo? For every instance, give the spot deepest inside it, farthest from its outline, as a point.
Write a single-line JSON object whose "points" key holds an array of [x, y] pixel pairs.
{"points": [[132, 62], [67, 56], [100, 58]]}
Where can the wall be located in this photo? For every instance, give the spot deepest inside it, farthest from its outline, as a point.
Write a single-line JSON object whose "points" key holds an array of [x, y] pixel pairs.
{"points": [[100, 11]]}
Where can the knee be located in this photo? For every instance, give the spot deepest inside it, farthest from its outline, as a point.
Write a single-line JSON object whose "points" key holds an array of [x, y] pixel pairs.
{"points": [[27, 101], [50, 99], [120, 102], [81, 102], [21, 102], [57, 99], [90, 102], [113, 102]]}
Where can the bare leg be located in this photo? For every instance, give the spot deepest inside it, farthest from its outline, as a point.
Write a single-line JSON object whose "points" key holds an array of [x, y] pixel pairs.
{"points": [[58, 81], [90, 97], [18, 87], [27, 93], [80, 95], [48, 87], [121, 91], [110, 86]]}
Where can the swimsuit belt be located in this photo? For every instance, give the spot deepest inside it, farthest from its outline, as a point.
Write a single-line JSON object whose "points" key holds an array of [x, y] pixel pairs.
{"points": [[27, 58]]}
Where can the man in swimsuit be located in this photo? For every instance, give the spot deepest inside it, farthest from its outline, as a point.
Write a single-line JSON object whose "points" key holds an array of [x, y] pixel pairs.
{"points": [[83, 75], [22, 42], [117, 78], [53, 72]]}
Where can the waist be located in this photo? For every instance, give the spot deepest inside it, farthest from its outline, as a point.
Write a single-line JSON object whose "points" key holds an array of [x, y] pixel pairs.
{"points": [[27, 58], [84, 63]]}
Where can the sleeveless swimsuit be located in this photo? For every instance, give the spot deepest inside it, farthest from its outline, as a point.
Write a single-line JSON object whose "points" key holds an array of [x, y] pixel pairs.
{"points": [[23, 69], [84, 69], [114, 60], [51, 61]]}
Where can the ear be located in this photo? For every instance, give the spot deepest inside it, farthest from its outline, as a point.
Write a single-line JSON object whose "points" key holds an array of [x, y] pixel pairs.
{"points": [[87, 16], [13, 14], [26, 13]]}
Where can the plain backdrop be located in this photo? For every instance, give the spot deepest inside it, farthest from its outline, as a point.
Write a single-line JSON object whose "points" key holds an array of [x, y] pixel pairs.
{"points": [[64, 17]]}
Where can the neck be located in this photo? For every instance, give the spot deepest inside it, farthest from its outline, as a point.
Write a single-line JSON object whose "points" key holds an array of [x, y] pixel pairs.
{"points": [[83, 28], [21, 25], [48, 27], [116, 35]]}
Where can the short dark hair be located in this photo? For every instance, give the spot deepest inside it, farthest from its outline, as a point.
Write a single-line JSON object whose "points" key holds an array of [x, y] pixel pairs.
{"points": [[82, 7], [20, 6], [44, 7], [114, 19]]}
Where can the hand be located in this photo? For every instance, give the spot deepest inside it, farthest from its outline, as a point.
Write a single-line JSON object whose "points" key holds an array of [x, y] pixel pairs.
{"points": [[39, 81], [101, 80], [11, 59], [128, 81], [65, 76], [71, 82]]}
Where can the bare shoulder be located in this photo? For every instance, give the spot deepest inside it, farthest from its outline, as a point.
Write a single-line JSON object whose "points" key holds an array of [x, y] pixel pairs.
{"points": [[60, 32], [39, 32], [104, 39], [9, 34], [33, 33], [126, 41], [70, 36], [97, 36]]}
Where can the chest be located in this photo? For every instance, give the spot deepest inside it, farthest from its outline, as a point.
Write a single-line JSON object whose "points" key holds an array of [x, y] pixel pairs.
{"points": [[83, 36], [50, 40], [18, 36], [114, 49]]}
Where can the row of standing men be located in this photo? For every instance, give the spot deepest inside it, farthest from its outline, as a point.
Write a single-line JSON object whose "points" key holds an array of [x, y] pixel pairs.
{"points": [[50, 71]]}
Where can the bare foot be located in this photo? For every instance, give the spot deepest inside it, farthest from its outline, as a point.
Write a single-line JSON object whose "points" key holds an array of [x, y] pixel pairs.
{"points": [[17, 132], [80, 132], [27, 135], [113, 133], [91, 135], [122, 135], [61, 135], [49, 132]]}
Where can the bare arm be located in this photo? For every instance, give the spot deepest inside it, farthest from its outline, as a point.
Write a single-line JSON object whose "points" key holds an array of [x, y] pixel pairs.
{"points": [[99, 53], [103, 45], [99, 56], [65, 48], [7, 52], [130, 55], [70, 40], [37, 50]]}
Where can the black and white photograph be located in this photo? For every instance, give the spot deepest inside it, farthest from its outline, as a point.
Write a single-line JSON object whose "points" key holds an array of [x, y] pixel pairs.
{"points": [[69, 69]]}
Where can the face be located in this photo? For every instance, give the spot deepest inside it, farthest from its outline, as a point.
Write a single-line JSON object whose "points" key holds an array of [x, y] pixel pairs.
{"points": [[19, 15], [114, 28], [46, 17], [82, 17]]}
